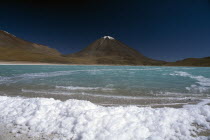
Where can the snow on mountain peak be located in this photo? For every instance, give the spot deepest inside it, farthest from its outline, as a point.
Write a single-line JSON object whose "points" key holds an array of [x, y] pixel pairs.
{"points": [[8, 33], [109, 37]]}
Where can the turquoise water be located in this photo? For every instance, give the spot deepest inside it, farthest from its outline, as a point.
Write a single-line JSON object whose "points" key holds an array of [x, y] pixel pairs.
{"points": [[108, 85]]}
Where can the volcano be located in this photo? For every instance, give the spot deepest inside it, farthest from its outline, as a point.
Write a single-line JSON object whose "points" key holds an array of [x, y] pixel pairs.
{"points": [[108, 50]]}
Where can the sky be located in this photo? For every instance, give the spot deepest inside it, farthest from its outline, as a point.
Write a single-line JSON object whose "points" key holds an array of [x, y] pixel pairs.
{"points": [[167, 30]]}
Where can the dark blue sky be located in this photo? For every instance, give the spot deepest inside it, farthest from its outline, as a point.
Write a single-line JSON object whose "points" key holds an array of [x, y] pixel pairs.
{"points": [[161, 29]]}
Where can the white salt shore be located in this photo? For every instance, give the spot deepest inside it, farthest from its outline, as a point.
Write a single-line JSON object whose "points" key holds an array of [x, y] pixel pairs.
{"points": [[83, 120], [27, 63]]}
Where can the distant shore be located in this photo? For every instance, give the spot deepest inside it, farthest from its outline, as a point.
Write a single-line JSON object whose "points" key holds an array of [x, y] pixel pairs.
{"points": [[44, 63], [28, 63]]}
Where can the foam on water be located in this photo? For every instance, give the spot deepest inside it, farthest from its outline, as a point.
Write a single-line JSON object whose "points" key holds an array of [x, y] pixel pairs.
{"points": [[143, 69], [20, 77], [83, 88], [3, 79], [203, 82], [74, 119], [105, 96]]}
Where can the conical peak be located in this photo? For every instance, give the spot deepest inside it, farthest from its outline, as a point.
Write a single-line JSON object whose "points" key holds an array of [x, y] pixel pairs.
{"points": [[108, 37]]}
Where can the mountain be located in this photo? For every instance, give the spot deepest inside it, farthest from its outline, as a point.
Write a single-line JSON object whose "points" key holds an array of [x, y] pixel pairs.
{"points": [[105, 50], [108, 50], [198, 62], [13, 48]]}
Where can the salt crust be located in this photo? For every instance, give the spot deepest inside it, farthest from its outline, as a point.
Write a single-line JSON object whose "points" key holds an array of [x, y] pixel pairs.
{"points": [[83, 120]]}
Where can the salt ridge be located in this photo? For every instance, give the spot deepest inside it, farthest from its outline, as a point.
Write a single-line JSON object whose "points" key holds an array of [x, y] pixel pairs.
{"points": [[74, 119]]}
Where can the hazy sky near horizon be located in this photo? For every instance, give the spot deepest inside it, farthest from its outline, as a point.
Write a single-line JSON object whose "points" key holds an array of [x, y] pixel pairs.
{"points": [[161, 29]]}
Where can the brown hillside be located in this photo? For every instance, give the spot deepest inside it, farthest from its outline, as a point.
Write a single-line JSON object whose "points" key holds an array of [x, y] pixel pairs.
{"points": [[13, 48], [199, 62]]}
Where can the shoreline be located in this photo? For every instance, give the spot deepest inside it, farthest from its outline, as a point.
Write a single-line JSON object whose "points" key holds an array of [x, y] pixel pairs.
{"points": [[69, 64]]}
